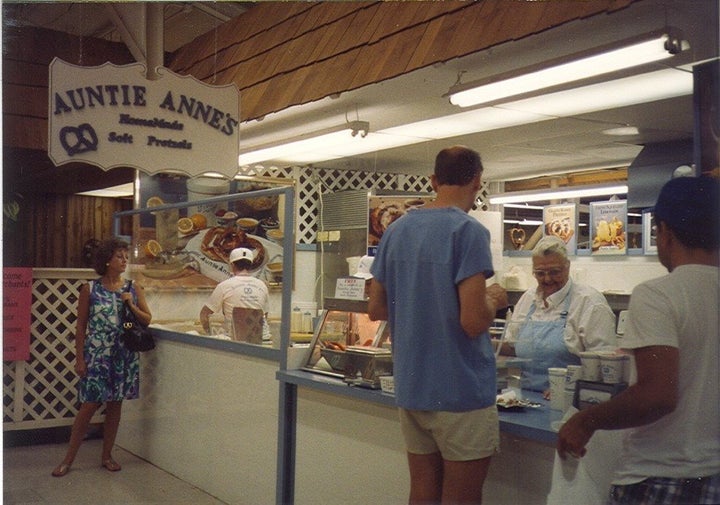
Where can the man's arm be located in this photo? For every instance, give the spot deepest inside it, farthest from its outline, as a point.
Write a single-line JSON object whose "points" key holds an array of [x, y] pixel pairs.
{"points": [[479, 303], [653, 396], [205, 314], [377, 304]]}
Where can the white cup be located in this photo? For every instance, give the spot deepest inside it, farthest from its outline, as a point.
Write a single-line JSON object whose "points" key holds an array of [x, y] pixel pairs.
{"points": [[612, 367], [573, 374], [591, 370], [556, 377], [568, 396]]}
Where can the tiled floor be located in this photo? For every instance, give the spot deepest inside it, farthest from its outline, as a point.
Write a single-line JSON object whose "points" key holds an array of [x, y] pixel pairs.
{"points": [[27, 479]]}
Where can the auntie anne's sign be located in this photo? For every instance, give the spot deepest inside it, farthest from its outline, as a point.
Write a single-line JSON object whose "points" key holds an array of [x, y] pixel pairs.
{"points": [[112, 116]]}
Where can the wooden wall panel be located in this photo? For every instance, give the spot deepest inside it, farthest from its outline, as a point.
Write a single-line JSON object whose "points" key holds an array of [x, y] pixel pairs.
{"points": [[52, 229], [260, 50]]}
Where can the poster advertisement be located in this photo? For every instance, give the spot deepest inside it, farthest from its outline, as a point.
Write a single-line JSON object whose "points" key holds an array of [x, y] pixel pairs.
{"points": [[17, 301], [561, 221], [385, 210], [190, 245], [608, 226]]}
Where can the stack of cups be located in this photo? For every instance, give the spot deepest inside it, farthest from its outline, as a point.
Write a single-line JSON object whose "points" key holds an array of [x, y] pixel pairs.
{"points": [[572, 375], [612, 367], [591, 370], [556, 377]]}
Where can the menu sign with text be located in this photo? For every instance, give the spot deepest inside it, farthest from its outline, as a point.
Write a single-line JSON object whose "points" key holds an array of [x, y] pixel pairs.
{"points": [[17, 301]]}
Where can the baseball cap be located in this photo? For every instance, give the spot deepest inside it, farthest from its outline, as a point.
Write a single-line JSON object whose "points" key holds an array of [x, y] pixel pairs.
{"points": [[363, 269], [241, 253], [691, 208]]}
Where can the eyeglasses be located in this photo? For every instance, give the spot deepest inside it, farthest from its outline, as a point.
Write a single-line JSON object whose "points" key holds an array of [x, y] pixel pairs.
{"points": [[554, 273]]}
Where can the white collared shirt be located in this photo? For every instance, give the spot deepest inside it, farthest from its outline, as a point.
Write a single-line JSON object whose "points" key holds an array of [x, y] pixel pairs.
{"points": [[591, 322]]}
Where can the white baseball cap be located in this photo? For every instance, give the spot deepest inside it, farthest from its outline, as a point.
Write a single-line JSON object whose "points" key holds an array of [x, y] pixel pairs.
{"points": [[242, 253], [363, 268]]}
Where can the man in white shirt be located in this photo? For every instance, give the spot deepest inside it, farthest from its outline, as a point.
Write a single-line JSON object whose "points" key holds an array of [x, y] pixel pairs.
{"points": [[240, 290], [672, 454]]}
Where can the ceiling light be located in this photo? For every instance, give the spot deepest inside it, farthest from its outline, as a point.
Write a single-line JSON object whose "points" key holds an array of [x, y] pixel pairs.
{"points": [[327, 144], [622, 131], [496, 88], [536, 195], [120, 191]]}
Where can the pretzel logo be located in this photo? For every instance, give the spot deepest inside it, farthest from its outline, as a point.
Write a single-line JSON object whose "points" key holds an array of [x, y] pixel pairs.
{"points": [[78, 140]]}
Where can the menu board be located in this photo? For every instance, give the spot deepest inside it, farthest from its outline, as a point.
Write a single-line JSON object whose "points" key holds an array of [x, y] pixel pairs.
{"points": [[17, 301], [608, 227], [561, 221]]}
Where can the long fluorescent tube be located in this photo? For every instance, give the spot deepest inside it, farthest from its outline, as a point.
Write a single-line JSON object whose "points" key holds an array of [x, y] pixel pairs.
{"points": [[327, 144], [558, 193], [120, 191], [644, 52]]}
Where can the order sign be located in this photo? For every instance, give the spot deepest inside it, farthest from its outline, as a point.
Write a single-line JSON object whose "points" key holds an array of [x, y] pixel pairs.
{"points": [[17, 300], [112, 116]]}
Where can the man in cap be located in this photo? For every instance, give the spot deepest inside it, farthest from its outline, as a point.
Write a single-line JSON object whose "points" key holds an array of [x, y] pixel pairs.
{"points": [[241, 290], [672, 453]]}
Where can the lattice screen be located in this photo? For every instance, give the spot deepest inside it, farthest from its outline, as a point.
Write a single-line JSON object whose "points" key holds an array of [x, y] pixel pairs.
{"points": [[42, 392]]}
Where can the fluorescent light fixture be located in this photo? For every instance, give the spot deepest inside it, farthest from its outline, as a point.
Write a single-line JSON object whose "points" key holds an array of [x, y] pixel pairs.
{"points": [[526, 222], [489, 90], [120, 191], [622, 131], [536, 195], [327, 144]]}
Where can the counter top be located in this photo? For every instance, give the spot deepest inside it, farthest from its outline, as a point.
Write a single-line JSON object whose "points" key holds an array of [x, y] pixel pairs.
{"points": [[530, 423]]}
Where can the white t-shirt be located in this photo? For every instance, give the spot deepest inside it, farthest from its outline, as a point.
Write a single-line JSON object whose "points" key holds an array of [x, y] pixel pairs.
{"points": [[678, 310], [591, 322], [239, 291]]}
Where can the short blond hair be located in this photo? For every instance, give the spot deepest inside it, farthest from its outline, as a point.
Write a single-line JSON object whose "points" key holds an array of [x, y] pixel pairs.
{"points": [[550, 244]]}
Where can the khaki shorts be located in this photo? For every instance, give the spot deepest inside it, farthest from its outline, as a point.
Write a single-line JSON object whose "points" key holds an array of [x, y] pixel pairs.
{"points": [[457, 436]]}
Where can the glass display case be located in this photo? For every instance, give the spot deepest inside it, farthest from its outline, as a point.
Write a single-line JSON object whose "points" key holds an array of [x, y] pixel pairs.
{"points": [[348, 345]]}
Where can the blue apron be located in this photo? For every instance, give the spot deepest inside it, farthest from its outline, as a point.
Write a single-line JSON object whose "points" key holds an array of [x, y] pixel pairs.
{"points": [[543, 343]]}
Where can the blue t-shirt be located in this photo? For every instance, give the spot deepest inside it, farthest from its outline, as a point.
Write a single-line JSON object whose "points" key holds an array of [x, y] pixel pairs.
{"points": [[421, 259]]}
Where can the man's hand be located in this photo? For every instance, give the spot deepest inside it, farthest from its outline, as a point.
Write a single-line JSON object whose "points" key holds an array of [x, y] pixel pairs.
{"points": [[497, 295], [574, 436]]}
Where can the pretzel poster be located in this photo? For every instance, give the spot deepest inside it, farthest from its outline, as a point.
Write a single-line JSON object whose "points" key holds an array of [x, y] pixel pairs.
{"points": [[608, 227], [561, 221]]}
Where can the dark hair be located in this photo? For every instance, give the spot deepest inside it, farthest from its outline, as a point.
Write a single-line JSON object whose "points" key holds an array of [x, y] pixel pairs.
{"points": [[457, 166], [105, 252], [243, 264]]}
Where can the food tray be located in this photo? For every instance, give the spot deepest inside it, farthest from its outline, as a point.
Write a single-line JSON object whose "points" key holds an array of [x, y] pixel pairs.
{"points": [[336, 359]]}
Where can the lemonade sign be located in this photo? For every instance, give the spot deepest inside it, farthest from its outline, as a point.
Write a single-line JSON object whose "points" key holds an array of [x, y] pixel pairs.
{"points": [[111, 116]]}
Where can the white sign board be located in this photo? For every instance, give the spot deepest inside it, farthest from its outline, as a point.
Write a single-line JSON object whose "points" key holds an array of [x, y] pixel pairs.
{"points": [[350, 288], [112, 116], [492, 220]]}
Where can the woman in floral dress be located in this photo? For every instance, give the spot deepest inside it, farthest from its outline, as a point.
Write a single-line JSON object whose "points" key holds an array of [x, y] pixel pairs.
{"points": [[109, 373]]}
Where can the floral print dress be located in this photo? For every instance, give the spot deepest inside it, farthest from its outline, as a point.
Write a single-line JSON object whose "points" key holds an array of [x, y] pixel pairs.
{"points": [[113, 372]]}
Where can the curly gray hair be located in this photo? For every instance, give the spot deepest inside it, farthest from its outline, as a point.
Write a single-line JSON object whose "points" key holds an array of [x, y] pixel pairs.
{"points": [[550, 244]]}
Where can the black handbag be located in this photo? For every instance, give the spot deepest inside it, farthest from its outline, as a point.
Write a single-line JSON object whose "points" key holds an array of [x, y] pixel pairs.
{"points": [[135, 336]]}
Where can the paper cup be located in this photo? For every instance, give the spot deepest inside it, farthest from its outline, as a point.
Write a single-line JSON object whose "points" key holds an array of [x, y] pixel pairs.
{"points": [[612, 368], [556, 377], [573, 374], [591, 366], [568, 396]]}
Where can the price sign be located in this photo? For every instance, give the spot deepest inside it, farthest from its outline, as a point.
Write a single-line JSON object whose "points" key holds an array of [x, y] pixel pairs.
{"points": [[350, 288], [17, 299]]}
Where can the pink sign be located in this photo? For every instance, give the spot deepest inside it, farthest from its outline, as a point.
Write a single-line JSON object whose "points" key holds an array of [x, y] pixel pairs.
{"points": [[17, 301]]}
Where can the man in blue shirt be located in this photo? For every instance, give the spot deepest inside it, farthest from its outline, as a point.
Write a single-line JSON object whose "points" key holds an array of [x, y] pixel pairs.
{"points": [[429, 283]]}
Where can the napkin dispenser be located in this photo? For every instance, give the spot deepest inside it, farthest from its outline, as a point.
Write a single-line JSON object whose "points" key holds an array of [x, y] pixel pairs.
{"points": [[589, 393]]}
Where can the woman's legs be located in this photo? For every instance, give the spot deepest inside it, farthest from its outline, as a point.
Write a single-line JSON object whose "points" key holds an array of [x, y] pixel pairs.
{"points": [[79, 430], [110, 428]]}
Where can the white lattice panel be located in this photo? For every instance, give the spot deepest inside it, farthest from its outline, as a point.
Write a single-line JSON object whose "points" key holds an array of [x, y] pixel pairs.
{"points": [[42, 392]]}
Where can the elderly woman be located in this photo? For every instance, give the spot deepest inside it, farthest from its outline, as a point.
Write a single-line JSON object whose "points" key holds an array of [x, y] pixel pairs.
{"points": [[560, 318]]}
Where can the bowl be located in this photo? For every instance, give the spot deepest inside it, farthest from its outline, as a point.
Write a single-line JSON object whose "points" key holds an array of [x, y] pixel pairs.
{"points": [[247, 224], [275, 235], [275, 270]]}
